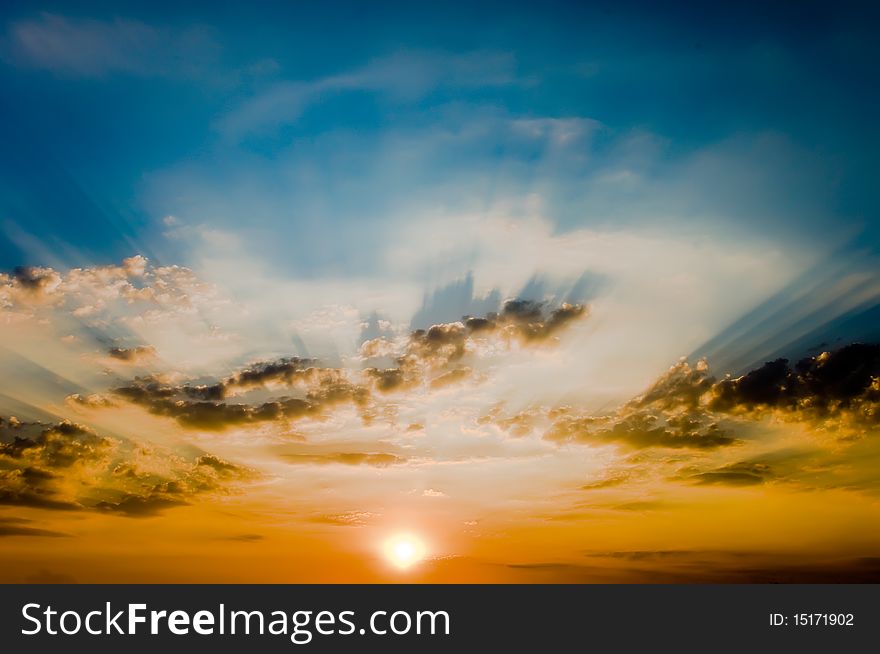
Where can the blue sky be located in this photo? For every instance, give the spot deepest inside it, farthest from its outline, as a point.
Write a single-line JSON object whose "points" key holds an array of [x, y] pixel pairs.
{"points": [[315, 134]]}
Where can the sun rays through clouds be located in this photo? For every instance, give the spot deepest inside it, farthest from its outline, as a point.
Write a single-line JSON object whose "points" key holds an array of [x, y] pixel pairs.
{"points": [[591, 295]]}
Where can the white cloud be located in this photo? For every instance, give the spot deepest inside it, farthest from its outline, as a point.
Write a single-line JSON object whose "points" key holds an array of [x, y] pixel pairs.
{"points": [[665, 295], [403, 76]]}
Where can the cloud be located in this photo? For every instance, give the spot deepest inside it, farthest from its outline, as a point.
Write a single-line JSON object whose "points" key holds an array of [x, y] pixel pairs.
{"points": [[81, 47], [36, 280], [57, 446], [643, 430], [211, 416], [145, 494], [91, 401], [682, 385], [835, 390], [432, 357], [525, 319], [205, 406], [736, 474], [402, 77], [518, 425], [441, 348], [69, 467], [451, 377], [389, 379], [133, 355], [58, 320], [616, 479], [842, 383], [686, 409], [734, 566], [21, 527], [349, 519], [558, 132], [664, 290], [283, 371], [140, 506], [97, 294], [353, 409], [13, 494]]}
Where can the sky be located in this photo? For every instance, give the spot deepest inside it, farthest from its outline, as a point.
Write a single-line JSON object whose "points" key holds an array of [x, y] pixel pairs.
{"points": [[552, 292]]}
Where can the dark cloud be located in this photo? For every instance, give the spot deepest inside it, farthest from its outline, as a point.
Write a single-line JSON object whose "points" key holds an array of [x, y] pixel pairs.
{"points": [[218, 415], [523, 311], [208, 406], [171, 401], [527, 320], [443, 347], [139, 506], [57, 446], [34, 499], [286, 371], [24, 484], [479, 325], [390, 379], [743, 473], [207, 392], [429, 354], [837, 390], [530, 323], [69, 467], [735, 566], [35, 280], [332, 388], [561, 317], [155, 493], [682, 385], [837, 383], [218, 465], [773, 384], [686, 408], [843, 381], [439, 345], [15, 530], [132, 354], [642, 430]]}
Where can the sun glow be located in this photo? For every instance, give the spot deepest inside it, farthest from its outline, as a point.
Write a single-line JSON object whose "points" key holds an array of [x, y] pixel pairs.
{"points": [[404, 550]]}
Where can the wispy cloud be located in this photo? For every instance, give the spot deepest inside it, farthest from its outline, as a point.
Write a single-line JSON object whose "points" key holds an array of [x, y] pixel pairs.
{"points": [[96, 48], [403, 76]]}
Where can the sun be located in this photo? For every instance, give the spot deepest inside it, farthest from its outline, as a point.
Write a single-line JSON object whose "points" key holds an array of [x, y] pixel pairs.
{"points": [[404, 550]]}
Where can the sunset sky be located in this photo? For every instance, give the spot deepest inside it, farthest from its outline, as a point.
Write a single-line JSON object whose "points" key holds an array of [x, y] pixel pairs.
{"points": [[567, 292]]}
